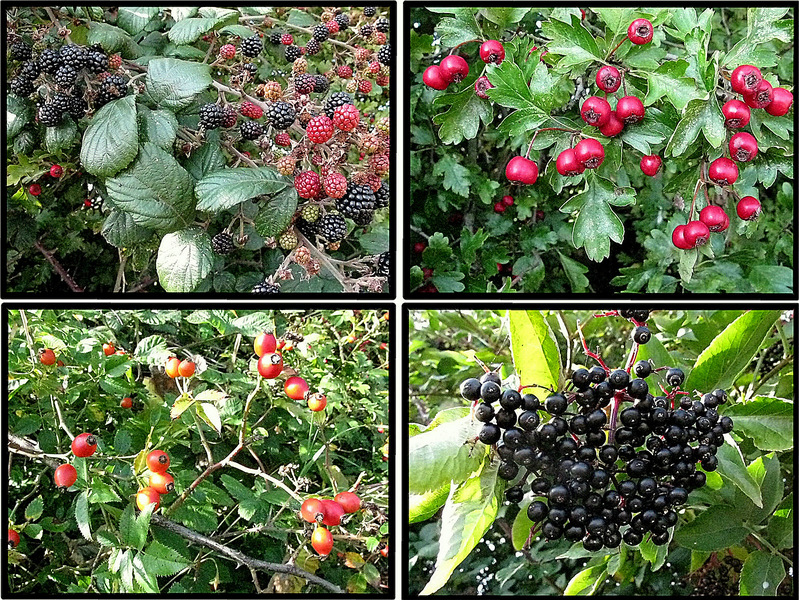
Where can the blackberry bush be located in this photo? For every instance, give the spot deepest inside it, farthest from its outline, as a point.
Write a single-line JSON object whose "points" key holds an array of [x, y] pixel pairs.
{"points": [[121, 110]]}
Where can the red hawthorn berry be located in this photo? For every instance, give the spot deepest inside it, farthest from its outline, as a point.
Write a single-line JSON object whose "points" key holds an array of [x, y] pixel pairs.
{"points": [[736, 114], [434, 78], [307, 184], [678, 238], [595, 111], [630, 110], [364, 86], [320, 129], [283, 139], [608, 79], [56, 171], [335, 185], [613, 127], [507, 200], [743, 147], [427, 272], [227, 51], [492, 51], [723, 171], [650, 165], [35, 189], [640, 32], [248, 109], [481, 87], [454, 68], [346, 117], [714, 217], [590, 153], [748, 208], [287, 39], [499, 207], [419, 247], [760, 97], [521, 169], [745, 78], [781, 100], [567, 163], [696, 233], [345, 72]]}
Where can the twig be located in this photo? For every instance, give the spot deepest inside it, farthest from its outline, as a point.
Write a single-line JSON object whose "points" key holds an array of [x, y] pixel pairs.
{"points": [[296, 28], [57, 266]]}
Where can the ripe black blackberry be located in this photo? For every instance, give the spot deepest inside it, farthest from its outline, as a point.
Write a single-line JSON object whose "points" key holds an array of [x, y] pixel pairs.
{"points": [[251, 68], [73, 55], [321, 84], [62, 102], [97, 61], [304, 83], [307, 228], [211, 116], [321, 33], [334, 100], [383, 265], [292, 53], [66, 76], [49, 115], [222, 243], [252, 46], [22, 87], [274, 38], [266, 288], [281, 115], [112, 88], [369, 11], [357, 203], [313, 47], [20, 51], [49, 61], [384, 54], [382, 24], [77, 107], [366, 30], [30, 70], [332, 227], [343, 21], [250, 130], [382, 196]]}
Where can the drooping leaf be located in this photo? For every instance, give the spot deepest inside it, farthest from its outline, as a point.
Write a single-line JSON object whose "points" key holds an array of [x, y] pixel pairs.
{"points": [[111, 140]]}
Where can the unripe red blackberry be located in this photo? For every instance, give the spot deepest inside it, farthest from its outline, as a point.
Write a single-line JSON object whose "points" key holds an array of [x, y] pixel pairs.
{"points": [[307, 184], [346, 117], [320, 129], [227, 51], [344, 71], [335, 185], [248, 109]]}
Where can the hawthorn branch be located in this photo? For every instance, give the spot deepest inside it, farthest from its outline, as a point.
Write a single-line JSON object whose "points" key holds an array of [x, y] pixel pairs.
{"points": [[240, 558], [66, 277]]}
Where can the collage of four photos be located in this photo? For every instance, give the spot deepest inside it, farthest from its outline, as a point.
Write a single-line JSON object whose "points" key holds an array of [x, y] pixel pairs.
{"points": [[549, 253]]}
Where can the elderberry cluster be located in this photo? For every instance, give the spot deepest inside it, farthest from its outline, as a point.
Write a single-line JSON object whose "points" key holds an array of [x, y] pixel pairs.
{"points": [[606, 460]]}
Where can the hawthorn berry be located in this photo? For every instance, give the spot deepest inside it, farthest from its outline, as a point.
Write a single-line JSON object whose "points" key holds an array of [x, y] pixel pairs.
{"points": [[760, 97], [745, 78], [322, 541], [499, 207], [630, 110], [589, 153], [743, 147], [521, 169], [163, 483], [650, 165], [678, 238], [736, 114], [723, 171], [158, 461], [13, 538], [35, 189], [454, 68], [613, 127], [296, 388], [748, 208], [65, 476], [481, 87], [567, 163], [608, 79], [640, 32], [507, 200], [317, 402], [47, 356], [781, 100], [147, 496], [56, 171], [433, 77], [714, 217], [349, 501], [311, 509], [126, 402], [270, 365], [265, 343], [172, 364], [84, 445], [696, 233], [492, 51], [595, 111], [346, 117], [307, 184]]}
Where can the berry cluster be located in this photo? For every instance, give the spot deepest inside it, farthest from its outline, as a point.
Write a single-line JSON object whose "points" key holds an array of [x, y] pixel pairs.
{"points": [[605, 460], [321, 511], [718, 578]]}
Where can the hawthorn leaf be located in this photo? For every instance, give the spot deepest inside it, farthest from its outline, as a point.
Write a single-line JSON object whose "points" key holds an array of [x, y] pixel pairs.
{"points": [[462, 120], [669, 80], [699, 116]]}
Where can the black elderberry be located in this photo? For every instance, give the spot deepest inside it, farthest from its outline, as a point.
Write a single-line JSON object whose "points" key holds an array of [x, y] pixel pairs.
{"points": [[636, 468], [622, 516], [586, 397], [490, 434], [581, 378], [547, 433], [551, 531], [660, 539], [726, 424], [470, 389], [647, 487], [558, 495], [612, 540], [490, 391], [524, 456], [574, 533], [491, 376], [507, 470], [566, 446], [586, 454], [675, 377], [581, 471], [592, 544], [513, 438], [578, 424], [627, 487], [511, 399], [632, 538], [619, 379], [720, 395], [599, 479], [484, 413], [608, 454], [529, 420], [504, 452], [611, 499], [678, 496], [630, 416], [540, 485], [505, 418], [594, 439], [558, 516], [596, 419], [642, 369], [555, 404], [641, 315], [641, 335], [537, 511], [596, 526], [710, 463], [579, 489], [514, 495]]}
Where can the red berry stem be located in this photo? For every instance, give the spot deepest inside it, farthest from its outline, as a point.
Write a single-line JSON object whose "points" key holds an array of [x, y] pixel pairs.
{"points": [[693, 201], [462, 43], [588, 352], [612, 52]]}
